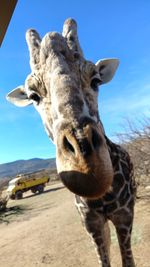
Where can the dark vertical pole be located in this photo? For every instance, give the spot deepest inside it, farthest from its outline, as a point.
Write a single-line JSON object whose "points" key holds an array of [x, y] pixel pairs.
{"points": [[6, 10]]}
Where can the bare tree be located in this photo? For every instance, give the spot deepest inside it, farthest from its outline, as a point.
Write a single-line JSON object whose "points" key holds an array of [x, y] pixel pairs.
{"points": [[136, 139]]}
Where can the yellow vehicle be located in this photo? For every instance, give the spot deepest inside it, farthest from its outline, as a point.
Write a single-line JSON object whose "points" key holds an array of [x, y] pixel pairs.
{"points": [[23, 183]]}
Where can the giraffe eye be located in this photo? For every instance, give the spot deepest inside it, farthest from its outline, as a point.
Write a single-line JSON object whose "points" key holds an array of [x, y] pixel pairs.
{"points": [[35, 97], [95, 83]]}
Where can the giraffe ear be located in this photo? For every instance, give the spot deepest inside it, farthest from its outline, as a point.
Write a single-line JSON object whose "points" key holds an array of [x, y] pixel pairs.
{"points": [[18, 97], [107, 68]]}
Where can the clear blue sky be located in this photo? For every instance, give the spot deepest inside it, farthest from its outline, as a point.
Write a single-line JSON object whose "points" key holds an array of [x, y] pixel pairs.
{"points": [[106, 29]]}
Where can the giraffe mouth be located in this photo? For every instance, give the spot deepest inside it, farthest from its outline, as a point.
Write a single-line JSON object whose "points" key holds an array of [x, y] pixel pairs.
{"points": [[84, 163], [86, 185]]}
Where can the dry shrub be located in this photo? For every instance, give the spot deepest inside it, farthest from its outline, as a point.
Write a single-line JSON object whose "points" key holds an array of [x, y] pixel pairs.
{"points": [[136, 140], [3, 195]]}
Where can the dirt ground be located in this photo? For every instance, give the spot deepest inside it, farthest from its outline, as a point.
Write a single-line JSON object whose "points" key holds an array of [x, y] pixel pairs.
{"points": [[45, 230]]}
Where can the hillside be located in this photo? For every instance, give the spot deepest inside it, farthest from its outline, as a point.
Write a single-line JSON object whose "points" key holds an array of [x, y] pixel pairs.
{"points": [[25, 166]]}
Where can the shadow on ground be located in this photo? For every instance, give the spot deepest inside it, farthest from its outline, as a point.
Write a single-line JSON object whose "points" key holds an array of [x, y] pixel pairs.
{"points": [[45, 191], [5, 216]]}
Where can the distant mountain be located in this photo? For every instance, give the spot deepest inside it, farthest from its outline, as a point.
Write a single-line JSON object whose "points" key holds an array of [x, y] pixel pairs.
{"points": [[11, 169]]}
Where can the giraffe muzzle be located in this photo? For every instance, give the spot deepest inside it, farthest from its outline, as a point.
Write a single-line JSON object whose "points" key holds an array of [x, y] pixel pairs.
{"points": [[82, 142], [83, 162]]}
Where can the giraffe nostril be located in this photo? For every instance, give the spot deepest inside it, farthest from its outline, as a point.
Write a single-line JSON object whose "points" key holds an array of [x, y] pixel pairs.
{"points": [[68, 146], [85, 147], [96, 139], [80, 144]]}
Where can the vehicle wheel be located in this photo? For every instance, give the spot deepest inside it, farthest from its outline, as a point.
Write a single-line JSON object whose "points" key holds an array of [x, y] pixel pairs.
{"points": [[18, 194], [33, 190], [40, 188], [12, 197]]}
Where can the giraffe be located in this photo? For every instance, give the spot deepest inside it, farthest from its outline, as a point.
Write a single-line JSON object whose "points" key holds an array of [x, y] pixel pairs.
{"points": [[63, 87]]}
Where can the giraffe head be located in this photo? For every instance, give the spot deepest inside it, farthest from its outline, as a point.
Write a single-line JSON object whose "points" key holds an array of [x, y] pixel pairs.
{"points": [[63, 87]]}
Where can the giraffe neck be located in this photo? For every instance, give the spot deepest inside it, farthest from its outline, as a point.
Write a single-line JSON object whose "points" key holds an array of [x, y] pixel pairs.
{"points": [[123, 188]]}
